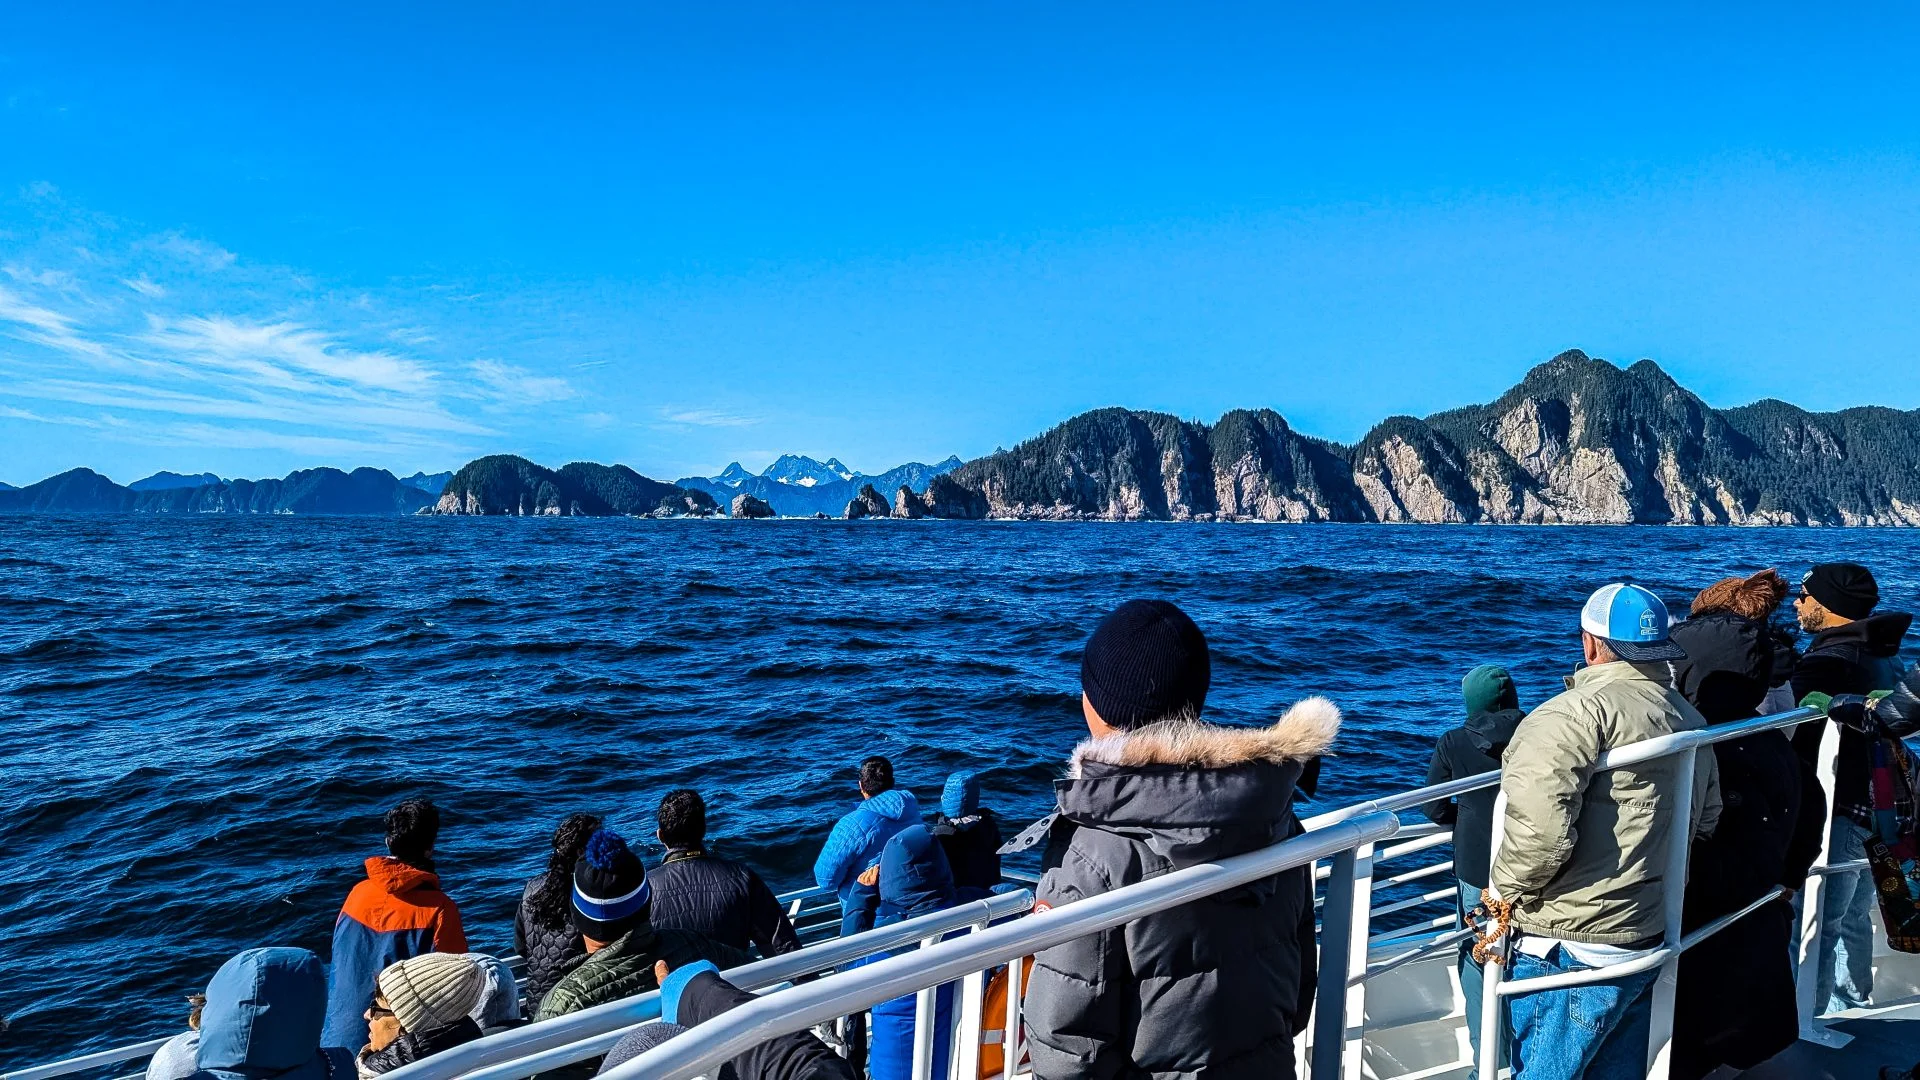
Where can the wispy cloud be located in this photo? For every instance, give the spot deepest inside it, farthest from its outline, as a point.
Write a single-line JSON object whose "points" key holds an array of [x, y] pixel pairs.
{"points": [[511, 385], [277, 353], [145, 286], [706, 418], [183, 248]]}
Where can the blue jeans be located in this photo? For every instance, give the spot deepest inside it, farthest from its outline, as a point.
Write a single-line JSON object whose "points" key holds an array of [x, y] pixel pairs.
{"points": [[1846, 925], [1594, 1032]]}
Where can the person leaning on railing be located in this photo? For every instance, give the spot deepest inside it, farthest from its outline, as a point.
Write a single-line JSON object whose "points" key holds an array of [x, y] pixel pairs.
{"points": [[1855, 650], [1768, 836], [1216, 987], [1582, 856]]}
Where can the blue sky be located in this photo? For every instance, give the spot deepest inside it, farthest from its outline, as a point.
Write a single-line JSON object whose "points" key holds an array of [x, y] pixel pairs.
{"points": [[256, 238]]}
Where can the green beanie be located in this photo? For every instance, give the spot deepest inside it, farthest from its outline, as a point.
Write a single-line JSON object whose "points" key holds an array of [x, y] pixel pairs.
{"points": [[1488, 688]]}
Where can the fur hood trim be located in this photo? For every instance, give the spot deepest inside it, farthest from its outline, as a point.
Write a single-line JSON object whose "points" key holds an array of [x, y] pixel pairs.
{"points": [[1304, 731]]}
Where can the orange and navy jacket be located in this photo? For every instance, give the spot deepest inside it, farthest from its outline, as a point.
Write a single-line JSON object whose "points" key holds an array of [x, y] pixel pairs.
{"points": [[398, 912]]}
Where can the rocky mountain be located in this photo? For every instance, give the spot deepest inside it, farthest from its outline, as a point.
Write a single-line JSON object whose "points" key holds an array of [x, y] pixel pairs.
{"points": [[431, 483], [505, 484], [867, 503], [309, 491], [1579, 440], [828, 497], [805, 472], [167, 481], [4, 486], [1120, 464]]}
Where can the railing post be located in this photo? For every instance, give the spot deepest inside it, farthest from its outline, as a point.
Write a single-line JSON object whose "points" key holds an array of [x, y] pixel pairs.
{"points": [[1666, 987], [1813, 907], [964, 1061], [1493, 972], [1010, 1039], [1336, 946], [1358, 931], [925, 1017]]}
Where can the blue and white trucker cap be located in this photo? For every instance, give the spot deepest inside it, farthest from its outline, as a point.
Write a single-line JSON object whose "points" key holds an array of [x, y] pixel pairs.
{"points": [[1633, 621]]}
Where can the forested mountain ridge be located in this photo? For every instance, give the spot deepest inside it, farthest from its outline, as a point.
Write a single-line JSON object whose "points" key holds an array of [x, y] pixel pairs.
{"points": [[308, 491], [1579, 440]]}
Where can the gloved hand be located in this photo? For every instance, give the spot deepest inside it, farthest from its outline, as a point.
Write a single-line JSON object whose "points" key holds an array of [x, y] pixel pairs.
{"points": [[1816, 700]]}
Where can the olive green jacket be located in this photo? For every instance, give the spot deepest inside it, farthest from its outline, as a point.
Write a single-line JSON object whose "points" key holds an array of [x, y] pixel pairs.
{"points": [[624, 967], [1583, 855]]}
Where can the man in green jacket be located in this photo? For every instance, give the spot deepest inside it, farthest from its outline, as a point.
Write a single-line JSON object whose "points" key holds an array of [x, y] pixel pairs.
{"points": [[1582, 855], [612, 905]]}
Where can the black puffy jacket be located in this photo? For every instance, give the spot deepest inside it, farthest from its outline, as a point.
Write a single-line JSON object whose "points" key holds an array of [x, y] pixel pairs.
{"points": [[551, 952], [1857, 658], [972, 847], [1217, 987], [722, 899], [413, 1046]]}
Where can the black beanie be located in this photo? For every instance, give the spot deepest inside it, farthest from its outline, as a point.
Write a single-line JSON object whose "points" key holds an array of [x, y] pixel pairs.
{"points": [[1147, 661], [1846, 589]]}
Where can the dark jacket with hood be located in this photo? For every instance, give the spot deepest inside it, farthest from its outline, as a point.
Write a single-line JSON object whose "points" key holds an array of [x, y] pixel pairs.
{"points": [[414, 1046], [695, 994], [1771, 820], [551, 949], [723, 899], [1216, 987], [1493, 712], [968, 835], [625, 967], [262, 1020], [1857, 658]]}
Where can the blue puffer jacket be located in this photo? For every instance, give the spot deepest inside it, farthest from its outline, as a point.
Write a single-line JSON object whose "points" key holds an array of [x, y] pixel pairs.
{"points": [[857, 840], [262, 1020], [914, 880]]}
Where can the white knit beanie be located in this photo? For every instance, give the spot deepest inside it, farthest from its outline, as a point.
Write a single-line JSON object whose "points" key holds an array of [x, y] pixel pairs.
{"points": [[430, 991]]}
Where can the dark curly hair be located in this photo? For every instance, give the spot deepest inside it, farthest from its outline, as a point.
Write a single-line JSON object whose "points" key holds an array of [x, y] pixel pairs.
{"points": [[413, 828], [552, 902], [683, 819], [876, 775]]}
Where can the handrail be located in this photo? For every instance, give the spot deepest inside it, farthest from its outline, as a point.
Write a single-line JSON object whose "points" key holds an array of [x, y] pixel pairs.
{"points": [[600, 1019], [88, 1061], [800, 1007]]}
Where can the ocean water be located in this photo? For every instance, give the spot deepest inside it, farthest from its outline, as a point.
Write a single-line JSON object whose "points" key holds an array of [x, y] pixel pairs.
{"points": [[202, 718]]}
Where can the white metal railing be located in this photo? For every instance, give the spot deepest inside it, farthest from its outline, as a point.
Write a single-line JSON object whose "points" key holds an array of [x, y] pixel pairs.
{"points": [[1349, 844]]}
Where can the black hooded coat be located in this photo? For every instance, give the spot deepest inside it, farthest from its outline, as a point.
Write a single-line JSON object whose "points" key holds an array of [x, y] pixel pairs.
{"points": [[1217, 987], [1771, 819], [1857, 658]]}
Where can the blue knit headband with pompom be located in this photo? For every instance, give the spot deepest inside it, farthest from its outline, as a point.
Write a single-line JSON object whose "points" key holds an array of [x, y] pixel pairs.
{"points": [[603, 847]]}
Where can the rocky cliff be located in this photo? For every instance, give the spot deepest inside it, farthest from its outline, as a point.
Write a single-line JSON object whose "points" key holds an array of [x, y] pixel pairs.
{"points": [[1579, 440]]}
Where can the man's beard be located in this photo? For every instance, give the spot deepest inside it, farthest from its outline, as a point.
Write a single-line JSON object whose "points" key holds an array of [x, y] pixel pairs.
{"points": [[1812, 621]]}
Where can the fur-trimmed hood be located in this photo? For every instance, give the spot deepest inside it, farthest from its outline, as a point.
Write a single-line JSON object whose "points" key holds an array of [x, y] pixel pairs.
{"points": [[1303, 732], [1194, 791]]}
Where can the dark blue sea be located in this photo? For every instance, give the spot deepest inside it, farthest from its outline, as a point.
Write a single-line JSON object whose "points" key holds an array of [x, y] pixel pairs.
{"points": [[202, 718]]}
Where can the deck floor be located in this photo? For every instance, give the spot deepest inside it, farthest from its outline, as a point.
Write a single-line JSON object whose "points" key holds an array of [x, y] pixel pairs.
{"points": [[1891, 1038]]}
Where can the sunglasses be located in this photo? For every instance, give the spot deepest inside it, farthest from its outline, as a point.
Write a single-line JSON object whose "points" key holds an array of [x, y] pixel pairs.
{"points": [[377, 1011]]}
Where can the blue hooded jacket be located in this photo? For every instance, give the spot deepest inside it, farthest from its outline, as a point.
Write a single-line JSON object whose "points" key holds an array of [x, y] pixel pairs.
{"points": [[264, 1011], [914, 881], [858, 838]]}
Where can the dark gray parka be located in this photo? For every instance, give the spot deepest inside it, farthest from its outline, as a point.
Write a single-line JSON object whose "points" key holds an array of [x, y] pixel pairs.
{"points": [[1214, 989]]}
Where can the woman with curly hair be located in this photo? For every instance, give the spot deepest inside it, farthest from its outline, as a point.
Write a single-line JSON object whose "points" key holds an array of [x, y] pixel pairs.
{"points": [[543, 930]]}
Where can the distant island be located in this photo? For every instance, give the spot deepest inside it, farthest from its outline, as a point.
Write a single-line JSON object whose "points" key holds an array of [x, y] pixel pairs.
{"points": [[1578, 441]]}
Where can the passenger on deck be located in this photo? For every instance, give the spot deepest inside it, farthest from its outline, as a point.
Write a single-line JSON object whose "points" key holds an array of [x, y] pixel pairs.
{"points": [[858, 837], [696, 993], [175, 1058], [612, 909], [1853, 651], [699, 891], [1771, 819], [969, 835], [1217, 987], [499, 1006], [1493, 712], [397, 912], [912, 879], [423, 1006], [543, 930], [265, 1008], [1582, 854]]}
